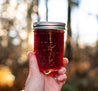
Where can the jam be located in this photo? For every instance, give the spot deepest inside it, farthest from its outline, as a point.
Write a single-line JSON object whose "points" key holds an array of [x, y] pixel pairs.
{"points": [[49, 49]]}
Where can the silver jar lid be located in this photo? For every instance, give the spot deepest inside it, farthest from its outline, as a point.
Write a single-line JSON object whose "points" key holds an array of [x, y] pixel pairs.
{"points": [[49, 25]]}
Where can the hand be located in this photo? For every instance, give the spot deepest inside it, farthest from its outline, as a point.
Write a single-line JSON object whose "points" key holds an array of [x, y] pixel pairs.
{"points": [[37, 81]]}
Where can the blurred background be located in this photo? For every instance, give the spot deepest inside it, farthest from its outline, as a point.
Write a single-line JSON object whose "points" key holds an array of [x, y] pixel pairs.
{"points": [[81, 40]]}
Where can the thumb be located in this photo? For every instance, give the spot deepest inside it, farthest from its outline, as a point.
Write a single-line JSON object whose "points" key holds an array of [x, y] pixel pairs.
{"points": [[33, 65]]}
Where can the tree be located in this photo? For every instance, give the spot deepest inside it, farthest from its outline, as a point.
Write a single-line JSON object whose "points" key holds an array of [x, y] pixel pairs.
{"points": [[68, 51], [46, 10]]}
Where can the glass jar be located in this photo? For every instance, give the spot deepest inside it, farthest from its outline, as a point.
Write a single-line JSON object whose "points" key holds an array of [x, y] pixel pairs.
{"points": [[49, 45]]}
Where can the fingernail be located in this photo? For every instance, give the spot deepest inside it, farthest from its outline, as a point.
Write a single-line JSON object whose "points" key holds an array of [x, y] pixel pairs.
{"points": [[66, 60], [62, 69], [59, 78], [62, 77]]}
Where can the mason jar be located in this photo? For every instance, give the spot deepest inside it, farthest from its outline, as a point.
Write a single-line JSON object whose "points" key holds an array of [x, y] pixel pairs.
{"points": [[49, 45]]}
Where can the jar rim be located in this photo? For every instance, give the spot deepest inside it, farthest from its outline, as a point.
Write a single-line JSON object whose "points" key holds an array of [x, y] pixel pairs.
{"points": [[49, 25]]}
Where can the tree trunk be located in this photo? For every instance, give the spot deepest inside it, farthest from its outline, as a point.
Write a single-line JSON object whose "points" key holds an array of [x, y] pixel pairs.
{"points": [[37, 11], [68, 52], [46, 10]]}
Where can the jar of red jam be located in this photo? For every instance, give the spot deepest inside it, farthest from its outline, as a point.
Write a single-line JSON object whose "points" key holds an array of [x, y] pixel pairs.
{"points": [[49, 45]]}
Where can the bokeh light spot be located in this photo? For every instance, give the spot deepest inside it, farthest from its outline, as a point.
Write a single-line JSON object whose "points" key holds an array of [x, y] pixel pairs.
{"points": [[6, 77], [16, 41]]}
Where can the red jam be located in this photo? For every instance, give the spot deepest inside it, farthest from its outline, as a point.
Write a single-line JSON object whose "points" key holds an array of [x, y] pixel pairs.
{"points": [[49, 48]]}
